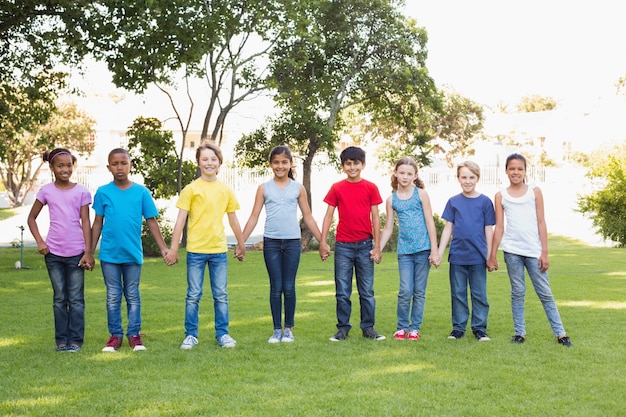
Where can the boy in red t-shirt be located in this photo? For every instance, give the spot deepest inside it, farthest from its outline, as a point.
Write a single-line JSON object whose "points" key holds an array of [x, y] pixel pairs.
{"points": [[356, 200]]}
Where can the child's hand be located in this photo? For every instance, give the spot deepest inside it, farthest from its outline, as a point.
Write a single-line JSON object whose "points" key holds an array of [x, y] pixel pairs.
{"points": [[240, 252], [87, 262], [171, 258], [42, 248], [376, 255], [324, 251], [435, 259], [492, 264]]}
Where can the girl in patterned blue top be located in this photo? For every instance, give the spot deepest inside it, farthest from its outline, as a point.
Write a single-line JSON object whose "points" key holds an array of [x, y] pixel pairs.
{"points": [[281, 197], [417, 244]]}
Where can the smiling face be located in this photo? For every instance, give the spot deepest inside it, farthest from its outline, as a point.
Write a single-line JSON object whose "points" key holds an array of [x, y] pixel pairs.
{"points": [[353, 169], [516, 171], [62, 166], [468, 180], [281, 165], [209, 164]]}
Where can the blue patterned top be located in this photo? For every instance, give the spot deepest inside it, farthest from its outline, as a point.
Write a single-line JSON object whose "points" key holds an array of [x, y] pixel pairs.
{"points": [[413, 234]]}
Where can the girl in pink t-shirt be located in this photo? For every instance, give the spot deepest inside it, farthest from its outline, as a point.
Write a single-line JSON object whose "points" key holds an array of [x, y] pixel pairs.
{"points": [[66, 247]]}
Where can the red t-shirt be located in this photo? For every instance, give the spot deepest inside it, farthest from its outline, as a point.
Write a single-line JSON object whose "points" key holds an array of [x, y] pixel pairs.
{"points": [[354, 201]]}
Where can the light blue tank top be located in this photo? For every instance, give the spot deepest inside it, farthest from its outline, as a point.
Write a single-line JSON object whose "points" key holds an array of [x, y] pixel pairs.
{"points": [[281, 210], [412, 232]]}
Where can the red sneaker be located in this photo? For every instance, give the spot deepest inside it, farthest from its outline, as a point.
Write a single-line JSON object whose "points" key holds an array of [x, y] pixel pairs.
{"points": [[114, 344], [414, 335], [135, 342], [400, 334]]}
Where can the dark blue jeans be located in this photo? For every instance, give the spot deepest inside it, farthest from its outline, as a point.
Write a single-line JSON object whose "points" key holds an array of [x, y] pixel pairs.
{"points": [[353, 258], [68, 286], [282, 257]]}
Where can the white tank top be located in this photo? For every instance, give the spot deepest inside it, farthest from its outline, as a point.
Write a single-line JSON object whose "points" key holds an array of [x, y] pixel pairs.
{"points": [[521, 234]]}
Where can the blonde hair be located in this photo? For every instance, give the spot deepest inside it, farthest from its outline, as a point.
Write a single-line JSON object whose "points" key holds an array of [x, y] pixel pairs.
{"points": [[410, 162], [211, 146], [471, 165]]}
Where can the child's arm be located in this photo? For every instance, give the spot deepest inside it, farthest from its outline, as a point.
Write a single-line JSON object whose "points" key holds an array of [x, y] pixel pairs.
{"points": [[544, 263], [445, 238], [259, 200], [153, 226], [96, 229], [309, 221], [489, 238], [492, 262], [434, 257], [328, 219], [388, 229], [42, 247], [240, 250], [87, 261], [172, 255], [375, 254]]}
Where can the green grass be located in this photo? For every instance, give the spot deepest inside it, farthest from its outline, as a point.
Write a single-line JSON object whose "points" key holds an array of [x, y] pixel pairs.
{"points": [[314, 377], [6, 213]]}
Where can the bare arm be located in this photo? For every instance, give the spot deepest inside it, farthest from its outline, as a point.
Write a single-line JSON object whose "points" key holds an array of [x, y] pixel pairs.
{"points": [[434, 257], [96, 230], [240, 250], [445, 238], [87, 261], [42, 247], [328, 220], [385, 235], [375, 253], [498, 232], [172, 255], [544, 263], [259, 200]]}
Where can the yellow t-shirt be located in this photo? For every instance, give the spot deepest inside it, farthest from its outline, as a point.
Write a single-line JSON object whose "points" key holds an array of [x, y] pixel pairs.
{"points": [[207, 202]]}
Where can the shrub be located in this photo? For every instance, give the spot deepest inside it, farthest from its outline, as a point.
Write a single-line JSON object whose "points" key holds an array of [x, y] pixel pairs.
{"points": [[150, 247]]}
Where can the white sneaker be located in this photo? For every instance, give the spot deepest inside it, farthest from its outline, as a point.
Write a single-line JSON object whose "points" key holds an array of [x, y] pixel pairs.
{"points": [[276, 337], [226, 341], [287, 336], [189, 342]]}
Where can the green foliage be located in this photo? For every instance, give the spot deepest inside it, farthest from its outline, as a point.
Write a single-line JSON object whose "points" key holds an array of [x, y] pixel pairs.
{"points": [[607, 205], [153, 155], [535, 103], [150, 247]]}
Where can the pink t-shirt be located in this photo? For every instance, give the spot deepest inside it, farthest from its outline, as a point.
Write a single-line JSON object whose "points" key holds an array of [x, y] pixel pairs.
{"points": [[65, 235], [354, 201]]}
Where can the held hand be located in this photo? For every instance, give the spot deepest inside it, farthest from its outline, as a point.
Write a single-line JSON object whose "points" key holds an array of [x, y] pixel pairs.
{"points": [[240, 252], [87, 261], [492, 265], [376, 255], [435, 259], [171, 258], [324, 251]]}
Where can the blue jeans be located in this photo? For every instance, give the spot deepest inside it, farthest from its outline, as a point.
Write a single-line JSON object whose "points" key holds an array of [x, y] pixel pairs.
{"points": [[413, 269], [122, 279], [354, 257], [476, 277], [68, 299], [282, 257], [515, 267], [218, 276]]}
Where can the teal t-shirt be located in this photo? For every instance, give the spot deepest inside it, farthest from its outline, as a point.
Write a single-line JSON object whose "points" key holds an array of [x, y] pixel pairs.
{"points": [[123, 212]]}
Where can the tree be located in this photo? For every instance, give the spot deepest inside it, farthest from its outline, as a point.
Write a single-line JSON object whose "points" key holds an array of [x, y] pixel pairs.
{"points": [[153, 155], [340, 55], [535, 103], [30, 136], [607, 205]]}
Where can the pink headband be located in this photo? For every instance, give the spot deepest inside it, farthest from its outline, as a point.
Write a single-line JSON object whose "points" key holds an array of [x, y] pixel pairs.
{"points": [[59, 153]]}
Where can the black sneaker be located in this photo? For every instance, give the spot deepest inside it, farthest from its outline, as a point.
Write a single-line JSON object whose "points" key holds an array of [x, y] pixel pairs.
{"points": [[456, 334], [518, 339], [370, 333], [481, 336], [565, 341], [342, 334]]}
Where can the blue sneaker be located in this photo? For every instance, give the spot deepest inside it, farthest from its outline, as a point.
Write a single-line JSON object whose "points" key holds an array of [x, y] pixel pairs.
{"points": [[276, 337], [189, 342], [287, 336], [226, 341], [73, 348]]}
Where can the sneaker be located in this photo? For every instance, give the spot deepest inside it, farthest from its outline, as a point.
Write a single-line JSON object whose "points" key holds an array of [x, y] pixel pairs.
{"points": [[114, 344], [73, 348], [226, 341], [400, 334], [518, 339], [135, 342], [414, 335], [370, 333], [287, 336], [456, 334], [61, 347], [564, 340], [276, 337], [342, 334], [189, 342], [481, 336]]}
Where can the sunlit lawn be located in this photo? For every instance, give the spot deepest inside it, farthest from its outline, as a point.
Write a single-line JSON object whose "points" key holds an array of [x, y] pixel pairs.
{"points": [[314, 377]]}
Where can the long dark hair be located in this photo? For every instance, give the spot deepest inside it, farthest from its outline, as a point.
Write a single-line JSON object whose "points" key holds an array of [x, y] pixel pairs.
{"points": [[283, 150]]}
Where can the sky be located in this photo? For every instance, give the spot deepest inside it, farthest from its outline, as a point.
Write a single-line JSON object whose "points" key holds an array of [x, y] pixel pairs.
{"points": [[495, 51]]}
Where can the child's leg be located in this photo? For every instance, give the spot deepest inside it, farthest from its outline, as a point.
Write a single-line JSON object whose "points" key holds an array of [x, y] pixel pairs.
{"points": [[274, 265], [364, 270], [420, 280], [405, 293], [458, 292], [76, 300], [218, 274], [290, 260], [344, 267], [131, 275], [56, 272], [196, 264], [544, 292], [478, 288], [515, 269], [112, 274]]}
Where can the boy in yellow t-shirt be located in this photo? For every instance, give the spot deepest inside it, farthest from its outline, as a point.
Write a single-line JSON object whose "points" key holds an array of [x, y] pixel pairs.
{"points": [[205, 201]]}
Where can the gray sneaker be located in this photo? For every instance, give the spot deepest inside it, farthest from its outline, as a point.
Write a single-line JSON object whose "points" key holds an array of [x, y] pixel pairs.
{"points": [[342, 334], [287, 336], [370, 333], [226, 341], [276, 337], [189, 342]]}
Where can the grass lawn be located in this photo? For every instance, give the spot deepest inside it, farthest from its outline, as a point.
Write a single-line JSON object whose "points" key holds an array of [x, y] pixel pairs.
{"points": [[5, 213], [314, 377]]}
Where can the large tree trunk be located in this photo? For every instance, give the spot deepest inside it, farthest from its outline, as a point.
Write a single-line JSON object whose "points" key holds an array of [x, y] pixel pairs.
{"points": [[307, 164]]}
